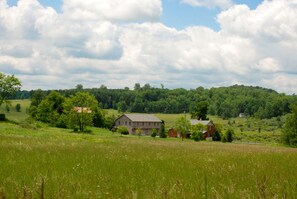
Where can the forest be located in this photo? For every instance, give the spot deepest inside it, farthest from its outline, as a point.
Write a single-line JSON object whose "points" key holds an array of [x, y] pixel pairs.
{"points": [[225, 102]]}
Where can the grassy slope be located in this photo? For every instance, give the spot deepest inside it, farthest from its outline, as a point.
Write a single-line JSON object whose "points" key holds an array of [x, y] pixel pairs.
{"points": [[13, 114], [246, 129], [105, 165]]}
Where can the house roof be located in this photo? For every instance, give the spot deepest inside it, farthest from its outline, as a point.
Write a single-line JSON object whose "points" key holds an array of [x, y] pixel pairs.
{"points": [[204, 122], [134, 117], [82, 109]]}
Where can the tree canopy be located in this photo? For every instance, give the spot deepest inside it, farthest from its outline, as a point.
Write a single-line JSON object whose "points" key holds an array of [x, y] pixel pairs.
{"points": [[182, 125], [225, 102], [289, 134], [9, 84]]}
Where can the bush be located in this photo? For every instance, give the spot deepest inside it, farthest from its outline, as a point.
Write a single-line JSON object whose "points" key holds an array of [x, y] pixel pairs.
{"points": [[2, 117], [154, 133], [217, 136], [122, 130], [30, 123], [197, 136], [289, 132], [228, 137], [163, 134], [18, 108]]}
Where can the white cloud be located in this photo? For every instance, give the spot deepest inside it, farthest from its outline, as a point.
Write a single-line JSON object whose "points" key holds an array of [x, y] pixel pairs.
{"points": [[223, 4], [113, 10], [118, 43]]}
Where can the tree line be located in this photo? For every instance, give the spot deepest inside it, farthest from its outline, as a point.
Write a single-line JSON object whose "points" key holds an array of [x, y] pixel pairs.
{"points": [[225, 102]]}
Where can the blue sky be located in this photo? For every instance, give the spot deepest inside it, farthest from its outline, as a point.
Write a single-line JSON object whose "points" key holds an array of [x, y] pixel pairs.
{"points": [[178, 43], [175, 13]]}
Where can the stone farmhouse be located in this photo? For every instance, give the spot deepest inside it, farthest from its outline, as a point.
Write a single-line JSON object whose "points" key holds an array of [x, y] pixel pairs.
{"points": [[145, 122]]}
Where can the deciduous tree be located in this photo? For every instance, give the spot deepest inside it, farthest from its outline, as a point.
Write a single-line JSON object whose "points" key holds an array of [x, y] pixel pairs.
{"points": [[182, 125], [200, 111], [9, 84], [289, 134], [80, 109]]}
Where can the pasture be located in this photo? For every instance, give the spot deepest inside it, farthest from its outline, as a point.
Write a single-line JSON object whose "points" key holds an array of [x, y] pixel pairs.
{"points": [[13, 114], [57, 163]]}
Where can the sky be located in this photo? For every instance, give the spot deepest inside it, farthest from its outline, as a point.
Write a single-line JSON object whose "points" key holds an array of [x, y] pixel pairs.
{"points": [[178, 43]]}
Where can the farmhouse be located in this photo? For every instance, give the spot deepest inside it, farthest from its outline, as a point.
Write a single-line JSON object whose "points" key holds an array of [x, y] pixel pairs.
{"points": [[210, 127], [82, 109], [145, 122]]}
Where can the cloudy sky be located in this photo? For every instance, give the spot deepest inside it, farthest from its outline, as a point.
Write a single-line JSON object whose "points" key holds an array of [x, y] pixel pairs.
{"points": [[179, 43]]}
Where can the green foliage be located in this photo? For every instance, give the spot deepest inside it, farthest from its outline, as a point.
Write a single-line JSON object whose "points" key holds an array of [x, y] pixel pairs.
{"points": [[154, 133], [18, 107], [228, 136], [50, 109], [289, 133], [7, 107], [30, 123], [36, 97], [225, 102], [8, 86], [109, 121], [163, 133], [182, 125], [2, 117], [80, 110], [217, 136], [138, 131], [122, 130], [200, 111], [197, 132], [197, 136]]}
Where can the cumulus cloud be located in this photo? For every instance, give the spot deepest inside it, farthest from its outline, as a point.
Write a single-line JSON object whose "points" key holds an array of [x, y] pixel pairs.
{"points": [[118, 43], [113, 10], [223, 4]]}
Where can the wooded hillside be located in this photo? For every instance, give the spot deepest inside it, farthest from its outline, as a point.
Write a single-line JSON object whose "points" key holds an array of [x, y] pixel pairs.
{"points": [[225, 102]]}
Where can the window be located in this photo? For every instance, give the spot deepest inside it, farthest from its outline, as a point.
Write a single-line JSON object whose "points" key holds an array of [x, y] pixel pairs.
{"points": [[130, 123], [126, 123], [119, 122]]}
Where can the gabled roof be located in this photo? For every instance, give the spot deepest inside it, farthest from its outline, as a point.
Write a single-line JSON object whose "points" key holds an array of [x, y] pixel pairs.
{"points": [[204, 122], [135, 117]]}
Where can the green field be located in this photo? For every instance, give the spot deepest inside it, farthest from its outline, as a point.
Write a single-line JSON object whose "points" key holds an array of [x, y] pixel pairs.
{"points": [[37, 161], [56, 163], [13, 114]]}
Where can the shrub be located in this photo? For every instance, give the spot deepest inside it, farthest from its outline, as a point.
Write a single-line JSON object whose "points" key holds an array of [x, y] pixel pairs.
{"points": [[154, 133], [228, 137], [217, 136], [289, 132], [2, 117], [197, 136], [30, 123], [163, 134], [122, 130], [18, 108]]}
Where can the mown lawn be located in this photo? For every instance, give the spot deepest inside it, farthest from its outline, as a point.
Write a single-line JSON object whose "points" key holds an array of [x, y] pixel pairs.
{"points": [[56, 163]]}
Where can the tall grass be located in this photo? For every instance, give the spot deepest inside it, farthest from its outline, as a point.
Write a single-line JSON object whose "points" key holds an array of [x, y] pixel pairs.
{"points": [[55, 163]]}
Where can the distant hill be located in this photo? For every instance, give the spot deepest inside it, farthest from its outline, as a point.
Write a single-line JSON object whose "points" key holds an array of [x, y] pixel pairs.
{"points": [[225, 102]]}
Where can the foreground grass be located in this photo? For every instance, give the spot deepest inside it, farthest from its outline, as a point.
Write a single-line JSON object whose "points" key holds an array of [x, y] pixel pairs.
{"points": [[55, 163]]}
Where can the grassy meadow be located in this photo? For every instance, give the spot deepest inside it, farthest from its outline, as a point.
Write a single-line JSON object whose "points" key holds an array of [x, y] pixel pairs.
{"points": [[56, 163], [37, 161]]}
